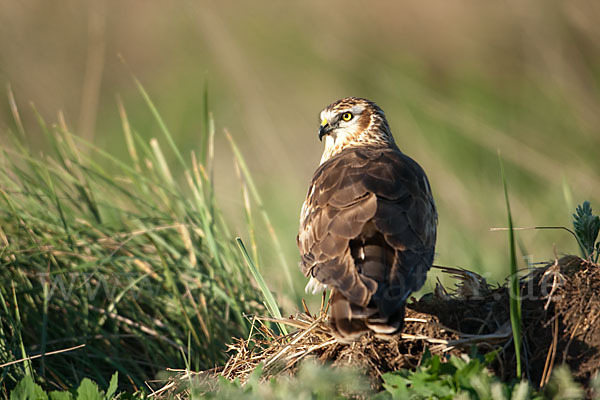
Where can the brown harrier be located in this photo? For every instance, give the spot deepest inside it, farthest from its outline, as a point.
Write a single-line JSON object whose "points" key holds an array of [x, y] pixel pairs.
{"points": [[368, 225]]}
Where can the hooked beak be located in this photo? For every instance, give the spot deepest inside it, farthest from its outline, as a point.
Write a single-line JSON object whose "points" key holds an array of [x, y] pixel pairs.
{"points": [[324, 129]]}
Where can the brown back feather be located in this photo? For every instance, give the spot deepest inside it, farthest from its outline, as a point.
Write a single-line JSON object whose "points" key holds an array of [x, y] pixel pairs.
{"points": [[368, 232]]}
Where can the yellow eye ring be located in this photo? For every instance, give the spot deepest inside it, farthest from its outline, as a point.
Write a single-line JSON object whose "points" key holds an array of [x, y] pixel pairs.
{"points": [[347, 116]]}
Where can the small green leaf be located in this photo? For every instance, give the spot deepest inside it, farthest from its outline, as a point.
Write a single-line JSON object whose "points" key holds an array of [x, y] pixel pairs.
{"points": [[520, 391], [396, 385], [88, 390], [490, 357], [27, 389], [112, 387], [56, 395]]}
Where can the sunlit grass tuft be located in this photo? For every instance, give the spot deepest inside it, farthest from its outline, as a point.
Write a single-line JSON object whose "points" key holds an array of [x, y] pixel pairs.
{"points": [[130, 260]]}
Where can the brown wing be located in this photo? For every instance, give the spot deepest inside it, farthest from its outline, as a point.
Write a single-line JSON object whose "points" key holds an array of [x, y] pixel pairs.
{"points": [[368, 230]]}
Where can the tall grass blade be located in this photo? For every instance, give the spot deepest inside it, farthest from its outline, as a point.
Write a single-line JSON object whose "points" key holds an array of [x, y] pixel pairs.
{"points": [[19, 329], [248, 212], [567, 194], [205, 124], [161, 122], [270, 302], [15, 110], [162, 162], [515, 295], [128, 135]]}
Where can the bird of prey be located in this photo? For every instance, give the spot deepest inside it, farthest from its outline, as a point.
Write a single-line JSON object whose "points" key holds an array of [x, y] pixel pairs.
{"points": [[368, 225]]}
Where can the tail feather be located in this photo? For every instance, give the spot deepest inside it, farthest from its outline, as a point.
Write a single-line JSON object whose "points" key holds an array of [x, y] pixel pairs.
{"points": [[349, 322], [344, 326], [388, 325], [383, 312]]}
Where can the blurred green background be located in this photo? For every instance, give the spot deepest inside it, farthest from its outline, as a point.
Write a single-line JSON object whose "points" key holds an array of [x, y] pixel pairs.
{"points": [[459, 81]]}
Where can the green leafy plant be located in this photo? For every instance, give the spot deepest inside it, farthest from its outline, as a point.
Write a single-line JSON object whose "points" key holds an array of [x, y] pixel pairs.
{"points": [[27, 389], [449, 378], [587, 226], [458, 378]]}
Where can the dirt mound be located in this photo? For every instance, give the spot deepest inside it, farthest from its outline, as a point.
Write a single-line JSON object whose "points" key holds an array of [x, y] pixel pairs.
{"points": [[561, 325], [560, 305]]}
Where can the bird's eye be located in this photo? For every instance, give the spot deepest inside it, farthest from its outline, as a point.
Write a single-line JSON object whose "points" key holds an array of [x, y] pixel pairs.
{"points": [[347, 116]]}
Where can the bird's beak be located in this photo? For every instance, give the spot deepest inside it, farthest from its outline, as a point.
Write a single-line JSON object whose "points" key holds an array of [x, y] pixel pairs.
{"points": [[324, 129]]}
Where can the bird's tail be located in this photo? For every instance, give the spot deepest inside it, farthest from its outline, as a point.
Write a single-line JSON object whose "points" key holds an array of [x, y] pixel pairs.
{"points": [[349, 321], [378, 266]]}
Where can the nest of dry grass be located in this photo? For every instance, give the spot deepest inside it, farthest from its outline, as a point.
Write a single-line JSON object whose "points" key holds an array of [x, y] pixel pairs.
{"points": [[560, 314]]}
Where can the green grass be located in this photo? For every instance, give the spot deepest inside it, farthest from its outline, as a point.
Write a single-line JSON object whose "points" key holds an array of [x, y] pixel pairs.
{"points": [[132, 261]]}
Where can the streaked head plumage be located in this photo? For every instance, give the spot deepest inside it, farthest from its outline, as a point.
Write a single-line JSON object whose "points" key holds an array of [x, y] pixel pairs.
{"points": [[353, 121]]}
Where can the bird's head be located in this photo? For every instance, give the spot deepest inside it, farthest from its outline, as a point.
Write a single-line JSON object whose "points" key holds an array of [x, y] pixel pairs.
{"points": [[350, 122]]}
